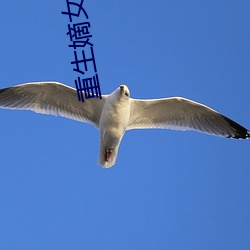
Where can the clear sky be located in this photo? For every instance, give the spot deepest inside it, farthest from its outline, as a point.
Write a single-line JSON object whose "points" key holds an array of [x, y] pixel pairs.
{"points": [[169, 189]]}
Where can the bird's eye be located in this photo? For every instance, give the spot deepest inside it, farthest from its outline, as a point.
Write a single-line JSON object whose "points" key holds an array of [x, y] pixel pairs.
{"points": [[126, 93]]}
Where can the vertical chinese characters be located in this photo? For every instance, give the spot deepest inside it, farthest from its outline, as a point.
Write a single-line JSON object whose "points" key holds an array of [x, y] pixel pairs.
{"points": [[79, 36]]}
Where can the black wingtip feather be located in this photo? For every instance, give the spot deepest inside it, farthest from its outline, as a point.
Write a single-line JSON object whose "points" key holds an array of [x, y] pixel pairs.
{"points": [[239, 131]]}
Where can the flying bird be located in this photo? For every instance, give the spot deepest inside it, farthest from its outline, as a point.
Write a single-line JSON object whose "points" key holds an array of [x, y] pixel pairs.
{"points": [[116, 113]]}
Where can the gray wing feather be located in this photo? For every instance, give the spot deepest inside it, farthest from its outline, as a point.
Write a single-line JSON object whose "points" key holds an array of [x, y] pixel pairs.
{"points": [[52, 98], [182, 114]]}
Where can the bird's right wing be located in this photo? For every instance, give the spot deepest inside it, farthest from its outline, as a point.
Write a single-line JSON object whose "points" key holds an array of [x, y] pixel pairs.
{"points": [[52, 98], [182, 114]]}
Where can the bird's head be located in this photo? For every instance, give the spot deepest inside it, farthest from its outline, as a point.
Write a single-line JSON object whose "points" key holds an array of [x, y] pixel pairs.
{"points": [[121, 94], [124, 91]]}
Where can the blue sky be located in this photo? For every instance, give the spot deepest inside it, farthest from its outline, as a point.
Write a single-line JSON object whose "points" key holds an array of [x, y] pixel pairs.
{"points": [[168, 189]]}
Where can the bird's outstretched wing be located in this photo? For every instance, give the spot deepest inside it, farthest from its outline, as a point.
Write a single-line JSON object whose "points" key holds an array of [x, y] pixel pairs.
{"points": [[182, 114], [52, 98]]}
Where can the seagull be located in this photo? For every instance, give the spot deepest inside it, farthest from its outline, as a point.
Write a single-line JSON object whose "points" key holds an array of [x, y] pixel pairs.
{"points": [[116, 113]]}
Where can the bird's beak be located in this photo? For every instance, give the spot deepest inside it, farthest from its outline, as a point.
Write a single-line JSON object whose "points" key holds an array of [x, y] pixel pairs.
{"points": [[122, 88]]}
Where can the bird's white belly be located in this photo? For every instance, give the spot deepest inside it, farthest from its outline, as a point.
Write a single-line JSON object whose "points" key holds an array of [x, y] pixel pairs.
{"points": [[113, 124]]}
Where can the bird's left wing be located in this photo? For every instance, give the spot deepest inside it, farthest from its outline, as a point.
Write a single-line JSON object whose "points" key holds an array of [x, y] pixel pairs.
{"points": [[182, 114], [52, 98]]}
